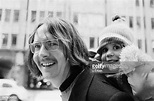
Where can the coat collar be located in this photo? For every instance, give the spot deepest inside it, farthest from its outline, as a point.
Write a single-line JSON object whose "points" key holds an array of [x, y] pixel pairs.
{"points": [[82, 84], [80, 89], [74, 73]]}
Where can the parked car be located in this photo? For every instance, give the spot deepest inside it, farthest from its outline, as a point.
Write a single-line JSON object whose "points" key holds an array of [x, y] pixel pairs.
{"points": [[8, 87]]}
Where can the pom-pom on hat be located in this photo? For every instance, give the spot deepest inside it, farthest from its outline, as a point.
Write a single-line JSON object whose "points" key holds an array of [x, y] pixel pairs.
{"points": [[118, 31]]}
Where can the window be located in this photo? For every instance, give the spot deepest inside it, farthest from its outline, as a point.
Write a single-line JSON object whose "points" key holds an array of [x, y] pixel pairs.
{"points": [[151, 3], [42, 15], [33, 16], [131, 22], [14, 39], [50, 13], [92, 40], [139, 43], [25, 40], [137, 2], [0, 14], [144, 22], [75, 18], [59, 14], [97, 41], [4, 39], [143, 3], [152, 23], [153, 45], [16, 16], [138, 19], [7, 15], [145, 45]]}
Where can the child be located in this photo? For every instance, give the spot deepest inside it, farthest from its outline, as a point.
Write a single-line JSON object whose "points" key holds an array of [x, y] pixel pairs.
{"points": [[114, 38], [113, 51]]}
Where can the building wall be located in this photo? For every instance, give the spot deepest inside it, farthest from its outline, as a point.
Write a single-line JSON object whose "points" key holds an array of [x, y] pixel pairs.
{"points": [[149, 31], [14, 32], [90, 22]]}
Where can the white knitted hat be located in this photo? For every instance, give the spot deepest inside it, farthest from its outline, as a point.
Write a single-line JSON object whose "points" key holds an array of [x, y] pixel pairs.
{"points": [[117, 31]]}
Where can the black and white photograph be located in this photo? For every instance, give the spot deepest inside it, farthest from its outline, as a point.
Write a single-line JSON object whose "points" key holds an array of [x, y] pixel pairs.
{"points": [[76, 50]]}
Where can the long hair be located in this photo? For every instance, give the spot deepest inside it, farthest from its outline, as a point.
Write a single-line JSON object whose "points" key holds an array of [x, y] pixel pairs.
{"points": [[74, 48]]}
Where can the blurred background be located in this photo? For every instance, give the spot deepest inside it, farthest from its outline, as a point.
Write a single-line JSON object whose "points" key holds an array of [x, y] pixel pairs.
{"points": [[18, 18]]}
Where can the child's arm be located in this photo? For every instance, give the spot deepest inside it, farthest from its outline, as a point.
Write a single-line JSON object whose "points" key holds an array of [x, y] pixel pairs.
{"points": [[147, 91], [138, 67]]}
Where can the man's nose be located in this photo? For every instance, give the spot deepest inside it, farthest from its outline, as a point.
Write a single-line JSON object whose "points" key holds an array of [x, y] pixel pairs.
{"points": [[43, 51]]}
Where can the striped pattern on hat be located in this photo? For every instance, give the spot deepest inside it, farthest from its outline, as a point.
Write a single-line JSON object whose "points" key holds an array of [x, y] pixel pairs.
{"points": [[119, 31]]}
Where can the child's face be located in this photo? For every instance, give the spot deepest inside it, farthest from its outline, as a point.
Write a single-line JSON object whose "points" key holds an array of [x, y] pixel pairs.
{"points": [[110, 53]]}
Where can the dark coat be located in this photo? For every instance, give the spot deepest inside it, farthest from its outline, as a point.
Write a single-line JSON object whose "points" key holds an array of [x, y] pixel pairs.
{"points": [[96, 87], [121, 83]]}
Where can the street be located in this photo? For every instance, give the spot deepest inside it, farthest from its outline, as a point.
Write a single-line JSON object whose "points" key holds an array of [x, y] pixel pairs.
{"points": [[44, 95]]}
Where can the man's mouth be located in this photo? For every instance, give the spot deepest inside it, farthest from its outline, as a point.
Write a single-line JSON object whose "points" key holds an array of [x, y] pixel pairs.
{"points": [[47, 64]]}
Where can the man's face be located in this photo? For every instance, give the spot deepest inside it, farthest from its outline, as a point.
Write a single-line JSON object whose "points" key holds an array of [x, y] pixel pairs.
{"points": [[49, 58]]}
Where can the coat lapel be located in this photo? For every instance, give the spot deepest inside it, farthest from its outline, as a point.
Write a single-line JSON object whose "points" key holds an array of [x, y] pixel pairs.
{"points": [[81, 86]]}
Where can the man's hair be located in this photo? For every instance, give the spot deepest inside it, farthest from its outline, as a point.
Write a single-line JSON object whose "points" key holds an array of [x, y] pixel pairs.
{"points": [[74, 48]]}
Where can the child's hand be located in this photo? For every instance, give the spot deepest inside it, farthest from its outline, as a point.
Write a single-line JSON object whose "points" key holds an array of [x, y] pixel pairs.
{"points": [[132, 58]]}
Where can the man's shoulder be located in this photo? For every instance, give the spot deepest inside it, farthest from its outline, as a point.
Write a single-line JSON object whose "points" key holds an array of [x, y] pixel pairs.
{"points": [[102, 83], [103, 90]]}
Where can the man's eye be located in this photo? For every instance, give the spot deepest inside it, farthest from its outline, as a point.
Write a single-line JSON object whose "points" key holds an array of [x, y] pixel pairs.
{"points": [[37, 46], [52, 43]]}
